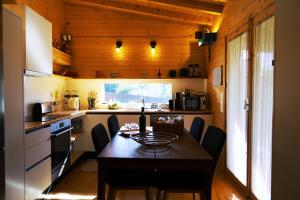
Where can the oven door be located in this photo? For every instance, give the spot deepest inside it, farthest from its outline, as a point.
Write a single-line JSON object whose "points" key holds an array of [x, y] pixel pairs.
{"points": [[60, 152]]}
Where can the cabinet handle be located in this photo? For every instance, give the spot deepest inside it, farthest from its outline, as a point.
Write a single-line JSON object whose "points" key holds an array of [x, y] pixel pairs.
{"points": [[69, 129]]}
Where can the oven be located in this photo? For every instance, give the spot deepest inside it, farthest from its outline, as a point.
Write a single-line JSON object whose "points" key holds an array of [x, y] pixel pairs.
{"points": [[60, 147]]}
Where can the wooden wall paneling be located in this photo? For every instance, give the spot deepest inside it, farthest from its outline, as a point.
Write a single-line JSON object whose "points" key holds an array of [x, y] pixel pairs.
{"points": [[142, 9], [95, 32]]}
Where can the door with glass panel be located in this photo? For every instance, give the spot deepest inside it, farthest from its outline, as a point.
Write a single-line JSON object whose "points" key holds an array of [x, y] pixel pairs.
{"points": [[237, 106], [262, 110]]}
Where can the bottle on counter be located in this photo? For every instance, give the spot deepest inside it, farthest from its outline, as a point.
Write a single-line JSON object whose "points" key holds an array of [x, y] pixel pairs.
{"points": [[142, 121]]}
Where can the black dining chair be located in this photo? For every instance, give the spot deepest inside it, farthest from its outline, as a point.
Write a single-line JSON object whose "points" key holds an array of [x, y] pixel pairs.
{"points": [[197, 128], [121, 179], [193, 181], [113, 125]]}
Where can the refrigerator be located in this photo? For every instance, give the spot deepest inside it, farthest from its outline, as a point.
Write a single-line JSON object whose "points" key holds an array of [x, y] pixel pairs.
{"points": [[12, 173]]}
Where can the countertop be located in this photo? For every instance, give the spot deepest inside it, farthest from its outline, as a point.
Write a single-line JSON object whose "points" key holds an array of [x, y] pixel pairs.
{"points": [[31, 126], [147, 111]]}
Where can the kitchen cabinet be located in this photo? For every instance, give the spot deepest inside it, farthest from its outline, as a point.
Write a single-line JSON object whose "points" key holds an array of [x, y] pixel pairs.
{"points": [[38, 43], [77, 138], [13, 105], [37, 162], [61, 58]]}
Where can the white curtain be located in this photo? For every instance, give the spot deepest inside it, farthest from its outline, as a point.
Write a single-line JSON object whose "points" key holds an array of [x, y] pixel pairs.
{"points": [[262, 109], [237, 79]]}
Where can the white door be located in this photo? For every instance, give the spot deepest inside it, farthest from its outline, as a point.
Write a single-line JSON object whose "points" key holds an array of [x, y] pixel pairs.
{"points": [[237, 95], [263, 78]]}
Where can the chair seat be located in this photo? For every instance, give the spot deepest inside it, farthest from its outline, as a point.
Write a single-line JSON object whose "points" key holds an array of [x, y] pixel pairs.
{"points": [[130, 178]]}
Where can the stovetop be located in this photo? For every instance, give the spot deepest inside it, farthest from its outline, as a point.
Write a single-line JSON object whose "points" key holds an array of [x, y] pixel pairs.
{"points": [[44, 118]]}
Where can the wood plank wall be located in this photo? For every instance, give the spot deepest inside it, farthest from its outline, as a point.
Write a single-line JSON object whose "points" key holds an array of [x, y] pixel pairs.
{"points": [[95, 32], [52, 10], [235, 18]]}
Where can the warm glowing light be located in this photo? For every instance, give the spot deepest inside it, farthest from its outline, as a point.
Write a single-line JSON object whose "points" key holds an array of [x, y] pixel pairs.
{"points": [[118, 49], [66, 196], [153, 51], [199, 43]]}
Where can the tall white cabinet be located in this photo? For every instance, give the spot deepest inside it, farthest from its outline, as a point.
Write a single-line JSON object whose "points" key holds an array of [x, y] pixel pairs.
{"points": [[13, 106]]}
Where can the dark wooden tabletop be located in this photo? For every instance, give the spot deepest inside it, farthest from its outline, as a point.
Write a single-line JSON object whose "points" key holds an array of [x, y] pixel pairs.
{"points": [[185, 149], [125, 153]]}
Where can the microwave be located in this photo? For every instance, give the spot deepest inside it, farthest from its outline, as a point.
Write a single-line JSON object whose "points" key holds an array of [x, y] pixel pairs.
{"points": [[191, 103], [194, 103]]}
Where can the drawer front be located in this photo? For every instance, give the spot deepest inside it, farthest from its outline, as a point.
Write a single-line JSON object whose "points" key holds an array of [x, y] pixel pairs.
{"points": [[36, 137], [37, 179], [37, 153]]}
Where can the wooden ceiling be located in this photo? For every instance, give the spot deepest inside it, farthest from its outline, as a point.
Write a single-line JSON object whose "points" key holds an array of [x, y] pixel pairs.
{"points": [[195, 12]]}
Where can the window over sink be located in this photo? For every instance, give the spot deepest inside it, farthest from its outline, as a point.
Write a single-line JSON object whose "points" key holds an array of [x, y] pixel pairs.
{"points": [[132, 93]]}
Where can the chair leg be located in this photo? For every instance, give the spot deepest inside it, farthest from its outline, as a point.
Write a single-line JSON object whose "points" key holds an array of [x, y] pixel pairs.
{"points": [[194, 196], [148, 193], [111, 194], [165, 195], [158, 194]]}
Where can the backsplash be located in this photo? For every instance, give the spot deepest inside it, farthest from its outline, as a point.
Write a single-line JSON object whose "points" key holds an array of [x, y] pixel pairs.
{"points": [[38, 89]]}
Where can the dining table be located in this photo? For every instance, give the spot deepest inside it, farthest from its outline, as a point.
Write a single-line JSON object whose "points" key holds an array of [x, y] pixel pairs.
{"points": [[125, 153]]}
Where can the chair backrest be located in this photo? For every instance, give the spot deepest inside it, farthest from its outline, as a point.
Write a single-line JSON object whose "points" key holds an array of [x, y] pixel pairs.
{"points": [[113, 125], [197, 128], [213, 142], [100, 137]]}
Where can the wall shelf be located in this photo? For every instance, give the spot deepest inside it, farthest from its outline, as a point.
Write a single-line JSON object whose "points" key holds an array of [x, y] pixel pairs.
{"points": [[61, 58]]}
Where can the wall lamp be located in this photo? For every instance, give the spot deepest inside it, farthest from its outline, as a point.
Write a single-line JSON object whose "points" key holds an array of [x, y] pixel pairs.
{"points": [[153, 45], [118, 45]]}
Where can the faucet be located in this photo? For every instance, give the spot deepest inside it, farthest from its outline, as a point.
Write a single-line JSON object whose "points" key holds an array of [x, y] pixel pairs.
{"points": [[143, 101]]}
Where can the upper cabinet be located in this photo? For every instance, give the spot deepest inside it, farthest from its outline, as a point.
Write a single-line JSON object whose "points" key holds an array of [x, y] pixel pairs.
{"points": [[38, 43]]}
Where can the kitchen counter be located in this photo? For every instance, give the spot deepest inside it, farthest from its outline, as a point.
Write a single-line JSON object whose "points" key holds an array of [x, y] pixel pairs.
{"points": [[147, 111], [31, 126]]}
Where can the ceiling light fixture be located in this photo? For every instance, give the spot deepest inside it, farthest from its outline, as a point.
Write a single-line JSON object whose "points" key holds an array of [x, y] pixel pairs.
{"points": [[118, 45], [153, 45]]}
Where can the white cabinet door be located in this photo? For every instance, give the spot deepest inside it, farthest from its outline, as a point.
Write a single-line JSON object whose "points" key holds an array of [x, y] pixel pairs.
{"points": [[13, 105], [38, 43], [37, 179]]}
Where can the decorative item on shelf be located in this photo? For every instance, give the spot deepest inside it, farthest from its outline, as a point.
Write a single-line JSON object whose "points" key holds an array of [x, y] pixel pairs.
{"points": [[56, 44], [184, 72], [114, 75], [153, 45], [118, 45], [172, 73], [67, 38], [197, 71], [191, 70], [92, 100], [159, 73]]}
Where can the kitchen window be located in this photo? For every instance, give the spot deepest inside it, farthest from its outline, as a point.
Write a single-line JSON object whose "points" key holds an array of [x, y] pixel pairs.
{"points": [[133, 92]]}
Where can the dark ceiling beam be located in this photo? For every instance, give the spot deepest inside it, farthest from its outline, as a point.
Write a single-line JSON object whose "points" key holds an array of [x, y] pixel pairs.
{"points": [[144, 11], [203, 6]]}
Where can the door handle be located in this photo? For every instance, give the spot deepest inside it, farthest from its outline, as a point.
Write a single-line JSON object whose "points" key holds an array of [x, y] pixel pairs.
{"points": [[247, 104]]}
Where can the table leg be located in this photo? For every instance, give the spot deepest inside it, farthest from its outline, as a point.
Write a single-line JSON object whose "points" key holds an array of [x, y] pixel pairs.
{"points": [[101, 181]]}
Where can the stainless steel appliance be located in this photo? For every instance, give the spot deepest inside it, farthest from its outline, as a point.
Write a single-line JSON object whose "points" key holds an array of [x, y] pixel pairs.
{"points": [[60, 147], [191, 103]]}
